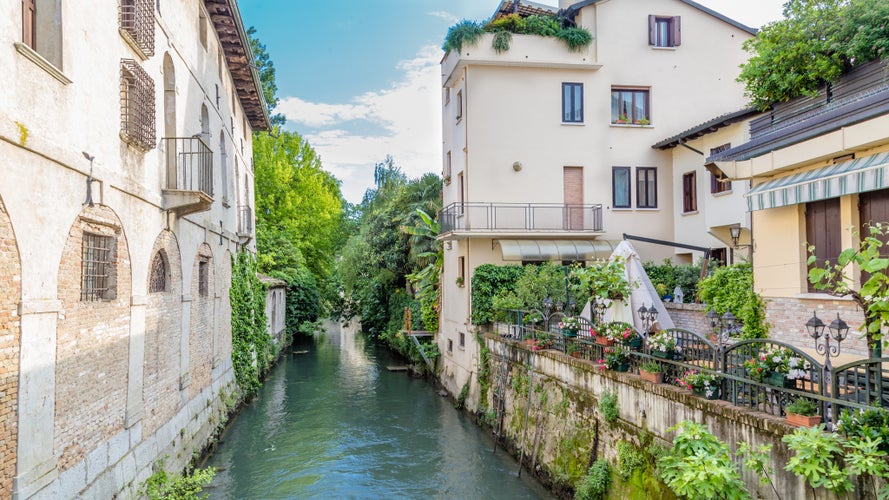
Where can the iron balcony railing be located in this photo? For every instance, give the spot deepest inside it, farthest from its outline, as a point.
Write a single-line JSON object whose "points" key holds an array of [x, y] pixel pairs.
{"points": [[245, 219], [189, 165], [505, 217]]}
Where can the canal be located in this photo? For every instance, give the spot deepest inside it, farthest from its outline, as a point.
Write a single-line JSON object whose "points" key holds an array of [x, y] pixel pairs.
{"points": [[334, 423]]}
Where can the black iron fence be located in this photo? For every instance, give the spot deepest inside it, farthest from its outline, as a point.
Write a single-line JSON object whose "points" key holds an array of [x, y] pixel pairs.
{"points": [[761, 374]]}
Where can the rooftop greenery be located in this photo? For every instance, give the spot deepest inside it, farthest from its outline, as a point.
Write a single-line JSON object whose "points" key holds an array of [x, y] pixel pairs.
{"points": [[469, 32]]}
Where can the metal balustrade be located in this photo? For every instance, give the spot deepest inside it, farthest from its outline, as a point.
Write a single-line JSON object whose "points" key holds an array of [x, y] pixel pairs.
{"points": [[506, 217], [189, 164]]}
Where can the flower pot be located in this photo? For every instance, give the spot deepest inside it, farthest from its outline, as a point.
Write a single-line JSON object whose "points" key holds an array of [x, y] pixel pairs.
{"points": [[576, 354], [634, 343], [569, 332], [780, 380], [622, 367], [604, 341], [662, 354], [803, 421], [654, 378], [701, 393]]}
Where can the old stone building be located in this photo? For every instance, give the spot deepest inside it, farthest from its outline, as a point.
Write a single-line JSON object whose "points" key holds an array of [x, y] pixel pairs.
{"points": [[125, 150]]}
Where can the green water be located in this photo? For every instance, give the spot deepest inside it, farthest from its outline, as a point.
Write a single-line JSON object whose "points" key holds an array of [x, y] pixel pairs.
{"points": [[334, 423]]}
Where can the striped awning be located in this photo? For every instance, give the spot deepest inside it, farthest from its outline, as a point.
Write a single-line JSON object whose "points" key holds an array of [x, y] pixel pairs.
{"points": [[848, 177], [549, 250]]}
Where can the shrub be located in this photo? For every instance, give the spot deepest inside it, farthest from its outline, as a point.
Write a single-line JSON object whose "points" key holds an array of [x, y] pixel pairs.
{"points": [[489, 280], [817, 455], [575, 38], [595, 484], [730, 288], [465, 32], [608, 406], [629, 459], [667, 276], [699, 465], [165, 486]]}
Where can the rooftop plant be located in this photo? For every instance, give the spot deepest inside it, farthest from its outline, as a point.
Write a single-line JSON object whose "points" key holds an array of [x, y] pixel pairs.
{"points": [[469, 32]]}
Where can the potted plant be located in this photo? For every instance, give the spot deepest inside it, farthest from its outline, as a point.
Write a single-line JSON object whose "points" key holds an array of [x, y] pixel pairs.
{"points": [[569, 326], [622, 119], [802, 413], [702, 384], [643, 121], [606, 280], [651, 372], [447, 180], [616, 358], [460, 281], [572, 350], [663, 345]]}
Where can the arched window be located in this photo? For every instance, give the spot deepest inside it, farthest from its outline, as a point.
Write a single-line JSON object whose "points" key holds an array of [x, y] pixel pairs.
{"points": [[170, 117], [157, 282], [205, 122]]}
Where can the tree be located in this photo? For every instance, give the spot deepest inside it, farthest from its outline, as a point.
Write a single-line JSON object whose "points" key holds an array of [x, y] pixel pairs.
{"points": [[816, 42], [873, 295], [266, 69]]}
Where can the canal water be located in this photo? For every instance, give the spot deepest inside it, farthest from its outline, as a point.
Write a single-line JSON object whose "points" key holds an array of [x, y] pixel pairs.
{"points": [[334, 423]]}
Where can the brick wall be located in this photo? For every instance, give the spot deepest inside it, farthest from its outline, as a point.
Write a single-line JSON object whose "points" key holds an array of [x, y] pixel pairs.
{"points": [[200, 337], [224, 314], [788, 317], [689, 317], [163, 329], [92, 346], [10, 294]]}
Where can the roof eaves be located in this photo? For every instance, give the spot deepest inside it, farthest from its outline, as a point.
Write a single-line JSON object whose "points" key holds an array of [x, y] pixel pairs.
{"points": [[705, 128]]}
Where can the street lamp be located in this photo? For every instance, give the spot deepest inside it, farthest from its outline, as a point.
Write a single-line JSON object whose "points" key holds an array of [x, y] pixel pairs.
{"points": [[648, 317], [599, 307], [735, 232], [836, 331]]}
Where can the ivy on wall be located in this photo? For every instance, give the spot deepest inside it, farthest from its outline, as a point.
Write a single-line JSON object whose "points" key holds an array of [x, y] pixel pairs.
{"points": [[251, 342]]}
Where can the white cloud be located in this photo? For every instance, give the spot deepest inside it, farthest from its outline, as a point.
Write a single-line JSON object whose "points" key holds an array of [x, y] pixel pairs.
{"points": [[447, 16], [407, 118]]}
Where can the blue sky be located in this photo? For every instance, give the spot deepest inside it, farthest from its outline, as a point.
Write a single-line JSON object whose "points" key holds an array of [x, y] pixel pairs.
{"points": [[360, 78]]}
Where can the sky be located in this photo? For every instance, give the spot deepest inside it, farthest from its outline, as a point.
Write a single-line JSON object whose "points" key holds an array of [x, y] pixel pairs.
{"points": [[360, 79]]}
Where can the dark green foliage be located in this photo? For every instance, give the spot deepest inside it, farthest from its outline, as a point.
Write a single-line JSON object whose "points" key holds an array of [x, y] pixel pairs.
{"points": [[251, 343], [669, 275], [630, 459], [266, 69], [465, 32], [303, 298], [596, 483], [489, 280], [814, 44], [730, 288], [460, 403], [542, 25], [165, 486], [608, 407], [870, 423], [575, 38]]}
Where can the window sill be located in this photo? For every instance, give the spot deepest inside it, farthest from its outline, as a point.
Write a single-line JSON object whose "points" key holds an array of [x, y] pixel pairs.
{"points": [[630, 125], [40, 61], [574, 124], [820, 296], [622, 209], [132, 43], [693, 212], [722, 193], [658, 47], [647, 209]]}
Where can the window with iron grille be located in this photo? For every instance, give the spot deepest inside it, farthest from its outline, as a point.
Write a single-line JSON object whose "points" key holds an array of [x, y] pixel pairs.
{"points": [[137, 118], [203, 278], [157, 282], [136, 19], [98, 271]]}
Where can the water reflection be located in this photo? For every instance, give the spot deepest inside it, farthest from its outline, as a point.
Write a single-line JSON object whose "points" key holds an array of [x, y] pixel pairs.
{"points": [[334, 423]]}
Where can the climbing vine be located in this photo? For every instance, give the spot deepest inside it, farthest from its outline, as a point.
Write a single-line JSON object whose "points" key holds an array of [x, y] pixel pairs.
{"points": [[251, 343]]}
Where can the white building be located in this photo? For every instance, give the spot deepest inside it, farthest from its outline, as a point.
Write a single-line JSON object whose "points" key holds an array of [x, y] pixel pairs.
{"points": [[548, 151], [125, 150]]}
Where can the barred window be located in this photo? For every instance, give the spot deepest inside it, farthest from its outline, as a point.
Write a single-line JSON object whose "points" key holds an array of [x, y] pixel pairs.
{"points": [[157, 282], [203, 278], [136, 19], [98, 271], [137, 125]]}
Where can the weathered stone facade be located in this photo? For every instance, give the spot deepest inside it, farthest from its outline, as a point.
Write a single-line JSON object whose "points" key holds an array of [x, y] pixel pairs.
{"points": [[10, 295], [200, 336]]}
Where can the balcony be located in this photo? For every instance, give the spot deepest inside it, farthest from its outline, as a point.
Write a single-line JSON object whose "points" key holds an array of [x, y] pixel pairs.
{"points": [[519, 219], [188, 187], [527, 51], [245, 224]]}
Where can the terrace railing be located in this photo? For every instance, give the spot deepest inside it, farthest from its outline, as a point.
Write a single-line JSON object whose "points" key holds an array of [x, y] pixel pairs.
{"points": [[520, 217], [189, 165]]}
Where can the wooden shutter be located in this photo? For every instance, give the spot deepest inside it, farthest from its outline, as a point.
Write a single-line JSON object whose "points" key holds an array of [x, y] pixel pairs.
{"points": [[29, 25], [652, 35], [874, 207], [823, 230], [573, 197], [675, 32]]}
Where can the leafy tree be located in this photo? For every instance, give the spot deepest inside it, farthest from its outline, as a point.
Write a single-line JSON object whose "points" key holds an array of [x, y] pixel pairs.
{"points": [[266, 69], [814, 44], [730, 288], [873, 295]]}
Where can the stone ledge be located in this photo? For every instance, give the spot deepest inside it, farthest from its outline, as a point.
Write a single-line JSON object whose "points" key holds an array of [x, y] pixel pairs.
{"points": [[685, 307]]}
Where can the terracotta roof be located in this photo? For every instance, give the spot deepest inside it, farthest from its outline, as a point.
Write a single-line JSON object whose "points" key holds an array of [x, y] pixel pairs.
{"points": [[705, 128], [239, 56]]}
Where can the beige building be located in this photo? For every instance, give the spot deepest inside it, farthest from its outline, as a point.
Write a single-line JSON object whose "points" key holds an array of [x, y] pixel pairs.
{"points": [[125, 149], [548, 151], [819, 166]]}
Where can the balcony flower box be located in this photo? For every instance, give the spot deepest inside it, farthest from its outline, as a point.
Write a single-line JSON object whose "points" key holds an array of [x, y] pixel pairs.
{"points": [[654, 378], [604, 341], [802, 420]]}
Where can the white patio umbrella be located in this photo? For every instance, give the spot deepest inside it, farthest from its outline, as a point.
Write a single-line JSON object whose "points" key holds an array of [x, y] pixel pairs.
{"points": [[643, 293]]}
